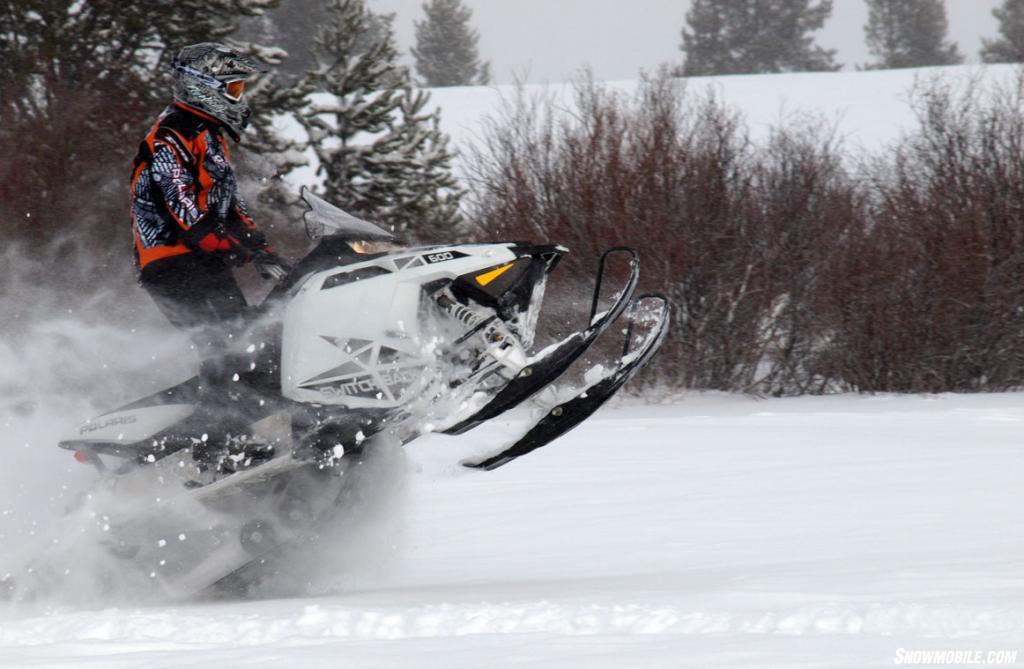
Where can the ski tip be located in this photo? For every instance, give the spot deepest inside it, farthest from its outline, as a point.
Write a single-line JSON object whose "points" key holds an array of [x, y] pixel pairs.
{"points": [[489, 464]]}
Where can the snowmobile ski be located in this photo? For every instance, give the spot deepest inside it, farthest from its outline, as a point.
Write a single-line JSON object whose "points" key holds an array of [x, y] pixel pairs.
{"points": [[540, 373], [565, 416]]}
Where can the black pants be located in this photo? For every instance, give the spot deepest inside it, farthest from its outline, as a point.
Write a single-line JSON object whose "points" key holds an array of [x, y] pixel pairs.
{"points": [[199, 295]]}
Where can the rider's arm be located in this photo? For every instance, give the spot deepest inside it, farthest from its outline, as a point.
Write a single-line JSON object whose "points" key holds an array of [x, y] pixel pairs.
{"points": [[171, 174], [241, 226]]}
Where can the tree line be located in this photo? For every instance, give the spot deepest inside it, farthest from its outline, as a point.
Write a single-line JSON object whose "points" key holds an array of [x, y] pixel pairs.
{"points": [[788, 271], [446, 51], [763, 36]]}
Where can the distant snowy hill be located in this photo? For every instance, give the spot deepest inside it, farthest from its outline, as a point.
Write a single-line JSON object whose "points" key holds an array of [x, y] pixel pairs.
{"points": [[868, 110]]}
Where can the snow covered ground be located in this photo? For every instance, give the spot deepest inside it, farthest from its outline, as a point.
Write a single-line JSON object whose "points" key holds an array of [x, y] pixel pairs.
{"points": [[714, 531]]}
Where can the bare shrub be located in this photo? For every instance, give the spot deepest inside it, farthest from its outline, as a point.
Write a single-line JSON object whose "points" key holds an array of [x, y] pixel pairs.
{"points": [[930, 294], [733, 235], [804, 203]]}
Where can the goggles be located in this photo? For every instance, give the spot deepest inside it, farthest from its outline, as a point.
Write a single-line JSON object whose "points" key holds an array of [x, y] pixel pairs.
{"points": [[233, 89]]}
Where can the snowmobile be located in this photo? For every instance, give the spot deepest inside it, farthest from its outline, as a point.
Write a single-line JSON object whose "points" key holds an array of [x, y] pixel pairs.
{"points": [[350, 350]]}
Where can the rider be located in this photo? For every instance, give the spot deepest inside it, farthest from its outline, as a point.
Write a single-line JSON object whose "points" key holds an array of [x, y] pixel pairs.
{"points": [[190, 224]]}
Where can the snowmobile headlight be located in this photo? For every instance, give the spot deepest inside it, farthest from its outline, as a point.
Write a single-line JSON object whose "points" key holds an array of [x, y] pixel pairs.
{"points": [[368, 247]]}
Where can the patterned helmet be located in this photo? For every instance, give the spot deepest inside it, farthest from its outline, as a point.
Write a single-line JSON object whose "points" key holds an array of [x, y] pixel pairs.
{"points": [[210, 77]]}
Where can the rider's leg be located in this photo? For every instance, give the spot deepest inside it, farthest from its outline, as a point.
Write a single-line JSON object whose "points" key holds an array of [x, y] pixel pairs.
{"points": [[205, 301]]}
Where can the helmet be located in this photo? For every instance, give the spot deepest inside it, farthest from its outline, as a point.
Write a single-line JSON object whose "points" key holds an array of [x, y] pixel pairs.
{"points": [[210, 77]]}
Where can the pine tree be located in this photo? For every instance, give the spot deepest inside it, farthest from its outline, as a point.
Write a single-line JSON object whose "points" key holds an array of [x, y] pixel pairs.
{"points": [[1009, 48], [749, 36], [266, 154], [381, 156], [293, 24], [446, 46], [909, 33]]}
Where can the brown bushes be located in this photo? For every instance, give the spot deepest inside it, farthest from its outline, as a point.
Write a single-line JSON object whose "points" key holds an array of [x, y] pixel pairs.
{"points": [[931, 295], [786, 273]]}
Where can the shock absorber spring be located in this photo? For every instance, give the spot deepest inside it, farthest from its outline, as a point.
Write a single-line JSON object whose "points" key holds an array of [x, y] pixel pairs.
{"points": [[463, 314], [499, 341]]}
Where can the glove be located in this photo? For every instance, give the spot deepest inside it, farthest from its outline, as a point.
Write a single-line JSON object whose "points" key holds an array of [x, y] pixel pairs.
{"points": [[226, 247], [212, 243], [250, 238], [207, 236], [270, 265], [247, 235]]}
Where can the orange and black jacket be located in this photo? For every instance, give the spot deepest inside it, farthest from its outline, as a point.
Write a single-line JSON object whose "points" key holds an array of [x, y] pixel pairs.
{"points": [[184, 194]]}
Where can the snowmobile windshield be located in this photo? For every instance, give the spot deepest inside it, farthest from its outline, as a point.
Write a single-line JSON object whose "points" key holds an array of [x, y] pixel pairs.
{"points": [[323, 218], [373, 248]]}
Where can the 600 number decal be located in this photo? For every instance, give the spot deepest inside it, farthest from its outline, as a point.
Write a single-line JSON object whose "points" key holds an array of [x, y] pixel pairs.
{"points": [[442, 256]]}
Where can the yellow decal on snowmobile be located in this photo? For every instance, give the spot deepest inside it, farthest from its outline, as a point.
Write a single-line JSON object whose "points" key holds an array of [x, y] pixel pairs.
{"points": [[484, 279]]}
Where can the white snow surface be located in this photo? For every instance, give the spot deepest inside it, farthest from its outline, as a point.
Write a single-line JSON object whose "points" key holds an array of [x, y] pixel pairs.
{"points": [[712, 531]]}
